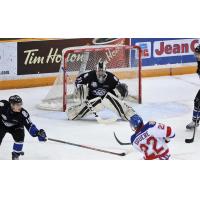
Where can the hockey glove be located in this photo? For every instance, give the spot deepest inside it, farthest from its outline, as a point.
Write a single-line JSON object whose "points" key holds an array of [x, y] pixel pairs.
{"points": [[42, 137], [122, 89], [167, 140]]}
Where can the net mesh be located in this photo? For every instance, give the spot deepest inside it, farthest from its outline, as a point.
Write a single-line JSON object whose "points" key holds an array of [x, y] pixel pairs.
{"points": [[123, 61]]}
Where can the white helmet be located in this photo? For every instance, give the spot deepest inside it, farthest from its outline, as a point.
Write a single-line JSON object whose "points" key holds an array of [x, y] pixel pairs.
{"points": [[101, 72]]}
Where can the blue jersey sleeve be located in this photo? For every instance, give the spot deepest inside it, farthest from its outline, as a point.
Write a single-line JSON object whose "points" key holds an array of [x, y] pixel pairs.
{"points": [[31, 128]]}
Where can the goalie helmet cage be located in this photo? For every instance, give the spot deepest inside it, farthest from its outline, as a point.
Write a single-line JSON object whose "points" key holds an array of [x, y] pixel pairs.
{"points": [[122, 60]]}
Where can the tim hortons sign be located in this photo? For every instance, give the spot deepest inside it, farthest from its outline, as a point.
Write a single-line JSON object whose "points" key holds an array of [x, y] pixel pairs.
{"points": [[38, 57]]}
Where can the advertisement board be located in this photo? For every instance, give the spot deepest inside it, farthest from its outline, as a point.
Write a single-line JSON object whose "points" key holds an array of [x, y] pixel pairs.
{"points": [[164, 51], [39, 57], [8, 60]]}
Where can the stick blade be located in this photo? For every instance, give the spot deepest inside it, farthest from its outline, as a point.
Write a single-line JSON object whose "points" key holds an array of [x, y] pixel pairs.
{"points": [[121, 143], [189, 140]]}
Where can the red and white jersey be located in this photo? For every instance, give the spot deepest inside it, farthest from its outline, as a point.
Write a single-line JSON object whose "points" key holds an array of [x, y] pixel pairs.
{"points": [[152, 140]]}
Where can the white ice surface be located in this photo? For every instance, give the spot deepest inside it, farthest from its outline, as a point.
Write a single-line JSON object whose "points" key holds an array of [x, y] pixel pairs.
{"points": [[165, 99]]}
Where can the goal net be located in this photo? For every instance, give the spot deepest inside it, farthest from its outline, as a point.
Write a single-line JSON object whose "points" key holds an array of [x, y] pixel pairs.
{"points": [[122, 60]]}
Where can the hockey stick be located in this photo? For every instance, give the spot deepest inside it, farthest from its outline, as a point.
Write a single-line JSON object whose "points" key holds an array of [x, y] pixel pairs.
{"points": [[87, 147], [121, 143], [191, 140], [98, 118]]}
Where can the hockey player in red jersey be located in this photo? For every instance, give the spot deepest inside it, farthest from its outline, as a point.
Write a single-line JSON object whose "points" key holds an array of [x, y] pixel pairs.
{"points": [[151, 138]]}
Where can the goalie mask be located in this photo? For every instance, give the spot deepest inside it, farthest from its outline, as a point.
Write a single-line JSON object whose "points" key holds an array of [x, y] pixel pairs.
{"points": [[101, 72]]}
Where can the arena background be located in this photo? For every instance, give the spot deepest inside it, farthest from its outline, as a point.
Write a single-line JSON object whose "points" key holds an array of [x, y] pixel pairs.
{"points": [[18, 69]]}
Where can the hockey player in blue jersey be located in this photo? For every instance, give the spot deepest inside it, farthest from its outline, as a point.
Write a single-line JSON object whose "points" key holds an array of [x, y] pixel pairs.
{"points": [[13, 118], [196, 110], [151, 138]]}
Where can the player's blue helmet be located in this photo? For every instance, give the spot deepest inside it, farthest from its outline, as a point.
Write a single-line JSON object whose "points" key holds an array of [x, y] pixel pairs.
{"points": [[136, 121]]}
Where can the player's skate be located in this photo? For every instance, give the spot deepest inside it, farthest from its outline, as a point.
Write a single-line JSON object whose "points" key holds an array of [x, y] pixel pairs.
{"points": [[15, 155], [192, 125]]}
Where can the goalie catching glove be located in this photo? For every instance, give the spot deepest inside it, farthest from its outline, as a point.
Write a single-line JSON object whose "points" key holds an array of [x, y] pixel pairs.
{"points": [[121, 90]]}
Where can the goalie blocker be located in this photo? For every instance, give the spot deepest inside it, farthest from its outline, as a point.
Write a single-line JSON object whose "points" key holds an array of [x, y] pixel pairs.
{"points": [[100, 89]]}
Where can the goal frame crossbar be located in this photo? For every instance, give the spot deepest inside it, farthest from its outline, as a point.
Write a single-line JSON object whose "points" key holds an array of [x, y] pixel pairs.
{"points": [[82, 49]]}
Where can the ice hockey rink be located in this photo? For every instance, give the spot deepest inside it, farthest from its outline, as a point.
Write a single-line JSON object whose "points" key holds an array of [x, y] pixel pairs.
{"points": [[167, 99]]}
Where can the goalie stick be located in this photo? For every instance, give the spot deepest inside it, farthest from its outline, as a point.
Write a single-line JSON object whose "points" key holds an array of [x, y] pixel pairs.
{"points": [[87, 147], [191, 140], [121, 143]]}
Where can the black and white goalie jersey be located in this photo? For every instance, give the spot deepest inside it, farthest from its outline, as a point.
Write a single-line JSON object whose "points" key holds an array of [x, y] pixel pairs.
{"points": [[97, 89]]}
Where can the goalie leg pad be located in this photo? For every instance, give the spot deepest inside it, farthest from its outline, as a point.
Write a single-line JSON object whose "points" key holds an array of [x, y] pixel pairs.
{"points": [[82, 110], [121, 108]]}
